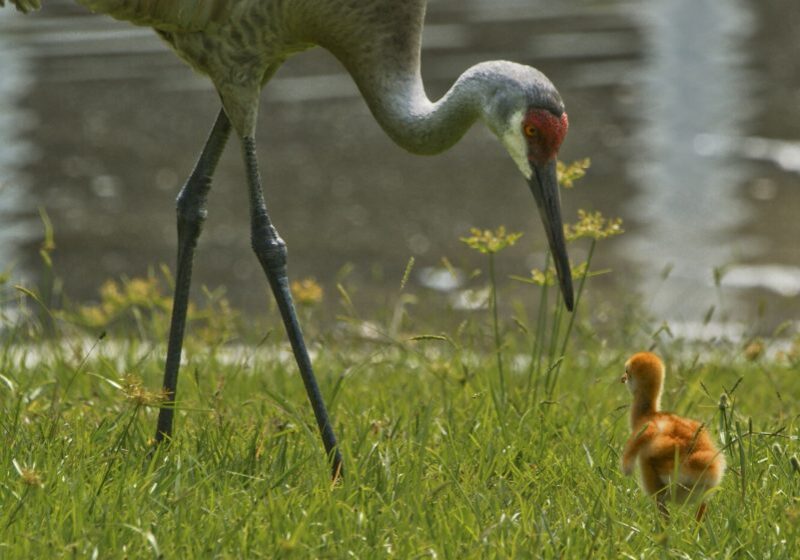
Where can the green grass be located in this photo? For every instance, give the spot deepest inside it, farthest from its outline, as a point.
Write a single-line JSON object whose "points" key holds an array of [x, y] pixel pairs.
{"points": [[498, 437], [436, 464]]}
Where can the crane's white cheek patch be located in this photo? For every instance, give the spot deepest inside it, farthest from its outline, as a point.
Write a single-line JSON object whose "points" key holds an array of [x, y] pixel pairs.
{"points": [[516, 146]]}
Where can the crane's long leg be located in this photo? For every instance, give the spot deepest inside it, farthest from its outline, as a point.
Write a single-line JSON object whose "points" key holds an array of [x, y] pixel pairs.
{"points": [[191, 210], [271, 252]]}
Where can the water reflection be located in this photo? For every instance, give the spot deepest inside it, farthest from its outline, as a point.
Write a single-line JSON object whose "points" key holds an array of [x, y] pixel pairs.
{"points": [[694, 83], [120, 119], [15, 152]]}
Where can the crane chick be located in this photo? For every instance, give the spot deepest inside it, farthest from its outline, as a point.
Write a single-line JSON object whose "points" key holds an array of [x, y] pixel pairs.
{"points": [[659, 438]]}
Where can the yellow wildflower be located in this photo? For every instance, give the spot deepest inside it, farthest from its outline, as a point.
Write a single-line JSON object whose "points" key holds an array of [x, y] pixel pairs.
{"points": [[307, 291], [28, 475], [490, 242], [135, 391], [593, 225], [568, 174], [548, 277]]}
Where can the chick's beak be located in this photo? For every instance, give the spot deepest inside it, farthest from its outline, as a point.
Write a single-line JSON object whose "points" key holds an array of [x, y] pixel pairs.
{"points": [[544, 186], [624, 378]]}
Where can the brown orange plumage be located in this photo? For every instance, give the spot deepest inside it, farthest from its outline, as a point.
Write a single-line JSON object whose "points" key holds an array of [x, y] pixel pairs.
{"points": [[659, 438]]}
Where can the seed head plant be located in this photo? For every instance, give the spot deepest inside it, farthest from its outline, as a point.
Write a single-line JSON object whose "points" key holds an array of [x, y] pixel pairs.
{"points": [[490, 243], [551, 337]]}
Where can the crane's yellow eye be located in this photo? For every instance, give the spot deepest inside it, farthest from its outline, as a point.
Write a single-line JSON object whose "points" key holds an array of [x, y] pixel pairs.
{"points": [[529, 130]]}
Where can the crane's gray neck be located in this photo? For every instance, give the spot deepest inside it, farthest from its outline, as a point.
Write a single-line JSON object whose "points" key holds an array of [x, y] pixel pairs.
{"points": [[401, 106], [379, 44]]}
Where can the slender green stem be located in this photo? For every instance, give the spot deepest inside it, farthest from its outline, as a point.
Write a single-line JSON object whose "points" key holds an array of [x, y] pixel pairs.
{"points": [[555, 329], [565, 341], [60, 393], [13, 515], [578, 297], [742, 463], [496, 324], [538, 341], [117, 447]]}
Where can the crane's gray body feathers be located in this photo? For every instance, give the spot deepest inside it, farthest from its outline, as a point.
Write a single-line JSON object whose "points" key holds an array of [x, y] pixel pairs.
{"points": [[240, 44]]}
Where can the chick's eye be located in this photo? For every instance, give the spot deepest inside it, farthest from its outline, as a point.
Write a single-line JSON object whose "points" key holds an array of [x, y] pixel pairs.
{"points": [[529, 130]]}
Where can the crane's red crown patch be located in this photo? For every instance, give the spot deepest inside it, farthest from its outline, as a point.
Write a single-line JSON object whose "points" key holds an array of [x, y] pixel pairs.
{"points": [[544, 132]]}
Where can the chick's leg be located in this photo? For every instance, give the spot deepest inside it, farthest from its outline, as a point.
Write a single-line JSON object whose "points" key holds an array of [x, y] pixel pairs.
{"points": [[653, 485]]}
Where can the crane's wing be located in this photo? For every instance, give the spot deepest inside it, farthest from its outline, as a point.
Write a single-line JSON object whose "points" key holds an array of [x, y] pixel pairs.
{"points": [[166, 15], [24, 5]]}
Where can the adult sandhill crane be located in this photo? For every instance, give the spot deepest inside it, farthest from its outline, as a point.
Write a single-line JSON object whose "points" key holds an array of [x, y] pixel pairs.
{"points": [[240, 44]]}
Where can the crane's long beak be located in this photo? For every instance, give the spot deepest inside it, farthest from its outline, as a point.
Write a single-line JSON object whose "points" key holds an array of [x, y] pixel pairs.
{"points": [[544, 186]]}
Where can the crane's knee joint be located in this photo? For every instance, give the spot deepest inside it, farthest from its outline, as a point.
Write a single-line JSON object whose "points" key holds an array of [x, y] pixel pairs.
{"points": [[269, 247], [193, 217], [191, 202]]}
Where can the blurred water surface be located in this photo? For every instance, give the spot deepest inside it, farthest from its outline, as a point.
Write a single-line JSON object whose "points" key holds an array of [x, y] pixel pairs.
{"points": [[689, 109]]}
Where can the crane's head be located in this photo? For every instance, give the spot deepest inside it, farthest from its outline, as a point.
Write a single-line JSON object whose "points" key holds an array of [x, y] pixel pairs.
{"points": [[527, 115]]}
